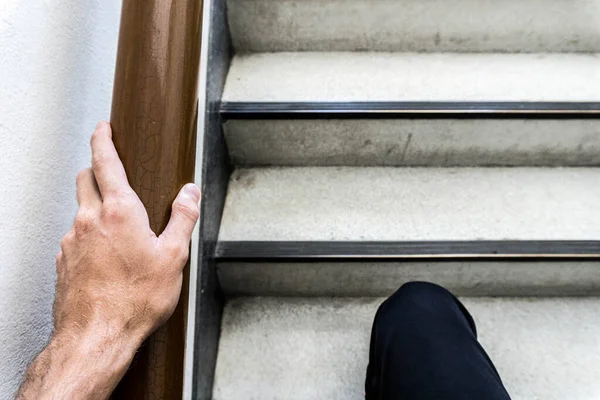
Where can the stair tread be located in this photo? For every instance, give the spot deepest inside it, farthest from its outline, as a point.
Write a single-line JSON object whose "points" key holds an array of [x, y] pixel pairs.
{"points": [[411, 204], [363, 76], [414, 25], [274, 348]]}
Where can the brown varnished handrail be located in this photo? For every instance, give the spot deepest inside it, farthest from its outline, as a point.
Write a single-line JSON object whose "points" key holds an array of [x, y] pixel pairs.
{"points": [[153, 117]]}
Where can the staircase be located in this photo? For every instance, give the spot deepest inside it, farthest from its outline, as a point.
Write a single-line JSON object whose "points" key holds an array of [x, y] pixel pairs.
{"points": [[376, 142]]}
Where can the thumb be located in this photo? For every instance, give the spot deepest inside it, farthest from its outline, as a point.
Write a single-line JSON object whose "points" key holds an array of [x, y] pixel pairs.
{"points": [[184, 215]]}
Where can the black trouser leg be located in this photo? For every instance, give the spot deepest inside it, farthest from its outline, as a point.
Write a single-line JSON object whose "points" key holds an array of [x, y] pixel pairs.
{"points": [[424, 346]]}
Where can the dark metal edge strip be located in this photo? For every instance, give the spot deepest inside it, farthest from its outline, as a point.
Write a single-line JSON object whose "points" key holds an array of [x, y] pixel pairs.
{"points": [[413, 250], [391, 110], [215, 173]]}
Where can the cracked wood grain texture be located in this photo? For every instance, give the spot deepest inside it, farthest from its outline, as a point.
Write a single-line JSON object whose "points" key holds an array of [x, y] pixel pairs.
{"points": [[153, 116]]}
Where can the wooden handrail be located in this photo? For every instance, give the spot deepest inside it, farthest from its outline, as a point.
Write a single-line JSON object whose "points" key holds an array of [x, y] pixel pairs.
{"points": [[153, 117]]}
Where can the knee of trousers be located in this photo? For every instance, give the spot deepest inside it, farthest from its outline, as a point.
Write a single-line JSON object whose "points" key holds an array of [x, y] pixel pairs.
{"points": [[418, 292], [422, 301]]}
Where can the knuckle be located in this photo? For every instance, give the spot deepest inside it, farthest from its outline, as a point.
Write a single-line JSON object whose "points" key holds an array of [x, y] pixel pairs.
{"points": [[162, 308], [84, 222], [95, 136], [180, 253], [129, 199], [188, 211], [121, 201], [177, 253], [102, 160], [82, 175], [172, 250], [99, 160], [112, 214], [114, 208], [66, 240]]}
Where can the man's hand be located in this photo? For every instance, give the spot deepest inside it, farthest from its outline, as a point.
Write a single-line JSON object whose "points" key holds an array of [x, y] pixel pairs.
{"points": [[117, 281]]}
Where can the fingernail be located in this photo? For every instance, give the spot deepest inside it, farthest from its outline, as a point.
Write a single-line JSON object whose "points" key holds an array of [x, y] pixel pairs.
{"points": [[100, 124], [193, 191]]}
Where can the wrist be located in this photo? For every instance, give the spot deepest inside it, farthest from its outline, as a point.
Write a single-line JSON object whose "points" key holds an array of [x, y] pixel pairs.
{"points": [[85, 364], [108, 351], [102, 347], [111, 338]]}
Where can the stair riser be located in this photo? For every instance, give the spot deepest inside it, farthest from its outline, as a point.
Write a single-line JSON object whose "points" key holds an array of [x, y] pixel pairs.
{"points": [[414, 142], [372, 279], [415, 25]]}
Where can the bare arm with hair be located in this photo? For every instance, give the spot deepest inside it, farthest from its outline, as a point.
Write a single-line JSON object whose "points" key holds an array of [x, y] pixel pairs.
{"points": [[117, 281]]}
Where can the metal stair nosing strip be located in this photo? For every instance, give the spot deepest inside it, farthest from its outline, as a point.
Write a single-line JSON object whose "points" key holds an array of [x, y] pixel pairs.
{"points": [[416, 109], [481, 250], [376, 269]]}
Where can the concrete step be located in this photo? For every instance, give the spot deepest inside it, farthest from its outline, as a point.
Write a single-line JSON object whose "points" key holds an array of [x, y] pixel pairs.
{"points": [[415, 25], [438, 141], [412, 204], [348, 77], [364, 231], [380, 277], [431, 136], [301, 349]]}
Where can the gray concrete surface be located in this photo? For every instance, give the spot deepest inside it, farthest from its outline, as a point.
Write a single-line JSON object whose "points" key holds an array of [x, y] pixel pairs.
{"points": [[414, 142], [307, 349], [316, 347], [348, 203], [415, 25], [370, 279], [413, 77]]}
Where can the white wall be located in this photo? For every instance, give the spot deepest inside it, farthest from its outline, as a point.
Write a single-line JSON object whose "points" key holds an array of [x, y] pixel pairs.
{"points": [[56, 72]]}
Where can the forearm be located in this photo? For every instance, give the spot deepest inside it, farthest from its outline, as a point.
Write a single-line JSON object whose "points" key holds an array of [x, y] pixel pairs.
{"points": [[117, 281], [82, 366]]}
